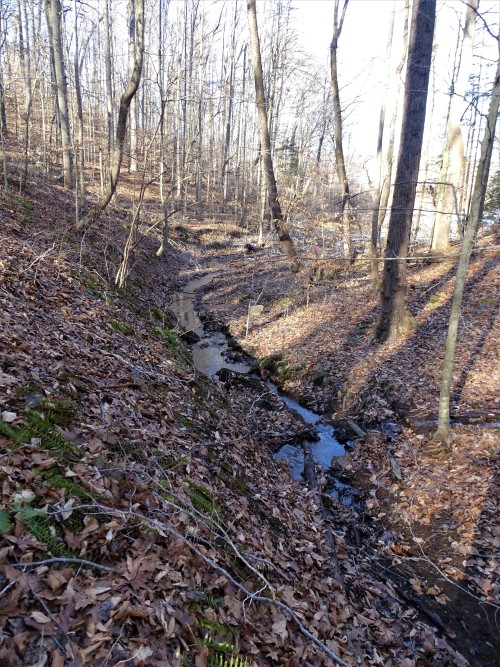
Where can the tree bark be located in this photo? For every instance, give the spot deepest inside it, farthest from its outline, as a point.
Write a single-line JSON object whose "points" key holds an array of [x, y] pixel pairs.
{"points": [[53, 15], [337, 127], [121, 128], [274, 203], [480, 185], [380, 138], [389, 160], [453, 155], [395, 318]]}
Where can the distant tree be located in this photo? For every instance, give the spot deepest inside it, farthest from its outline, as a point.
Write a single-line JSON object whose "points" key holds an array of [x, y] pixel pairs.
{"points": [[480, 185], [265, 142], [395, 86], [453, 154], [395, 318], [377, 189], [338, 23], [53, 11], [492, 203], [123, 112]]}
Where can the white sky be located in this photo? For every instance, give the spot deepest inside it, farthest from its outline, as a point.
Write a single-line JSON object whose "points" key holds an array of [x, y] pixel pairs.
{"points": [[362, 47]]}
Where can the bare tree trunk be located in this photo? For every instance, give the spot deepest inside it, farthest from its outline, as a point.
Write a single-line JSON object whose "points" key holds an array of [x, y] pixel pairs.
{"points": [[395, 317], [337, 127], [274, 203], [80, 159], [378, 176], [108, 78], [480, 185], [133, 165], [453, 156], [53, 14], [121, 128], [389, 161]]}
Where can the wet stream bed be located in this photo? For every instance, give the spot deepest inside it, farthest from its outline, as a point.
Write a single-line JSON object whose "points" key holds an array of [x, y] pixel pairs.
{"points": [[211, 356], [472, 625]]}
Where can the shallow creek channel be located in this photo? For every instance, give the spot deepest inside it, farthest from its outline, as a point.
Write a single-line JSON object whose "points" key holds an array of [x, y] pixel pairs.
{"points": [[474, 624], [210, 356]]}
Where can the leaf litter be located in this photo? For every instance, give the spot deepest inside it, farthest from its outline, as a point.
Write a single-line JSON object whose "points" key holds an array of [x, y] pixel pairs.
{"points": [[134, 528]]}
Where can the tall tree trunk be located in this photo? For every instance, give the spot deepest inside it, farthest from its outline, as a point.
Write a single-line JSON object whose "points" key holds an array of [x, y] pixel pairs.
{"points": [[53, 14], [337, 126], [480, 184], [395, 317], [274, 203], [133, 165], [108, 78], [453, 155], [389, 160], [380, 138], [80, 158], [121, 128]]}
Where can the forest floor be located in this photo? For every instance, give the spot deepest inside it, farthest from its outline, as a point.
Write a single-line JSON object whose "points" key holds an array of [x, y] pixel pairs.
{"points": [[144, 520]]}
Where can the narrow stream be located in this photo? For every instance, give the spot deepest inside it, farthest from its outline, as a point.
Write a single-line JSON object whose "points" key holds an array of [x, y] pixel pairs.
{"points": [[210, 356]]}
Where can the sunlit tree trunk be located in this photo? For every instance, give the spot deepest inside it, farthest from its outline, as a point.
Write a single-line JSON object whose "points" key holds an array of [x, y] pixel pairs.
{"points": [[274, 203], [480, 184], [337, 127], [395, 318], [79, 152], [453, 155], [389, 160], [380, 138]]}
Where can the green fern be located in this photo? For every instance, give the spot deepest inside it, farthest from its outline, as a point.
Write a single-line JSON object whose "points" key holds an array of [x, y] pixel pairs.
{"points": [[201, 498], [216, 660], [57, 411], [211, 600], [47, 532], [54, 478], [219, 647], [19, 436], [51, 439]]}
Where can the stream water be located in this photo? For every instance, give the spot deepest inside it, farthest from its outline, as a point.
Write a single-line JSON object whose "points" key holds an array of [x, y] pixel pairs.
{"points": [[210, 356]]}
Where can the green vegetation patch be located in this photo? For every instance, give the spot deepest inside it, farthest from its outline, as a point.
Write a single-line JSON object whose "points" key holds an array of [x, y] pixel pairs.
{"points": [[122, 327], [40, 429], [279, 367], [163, 318]]}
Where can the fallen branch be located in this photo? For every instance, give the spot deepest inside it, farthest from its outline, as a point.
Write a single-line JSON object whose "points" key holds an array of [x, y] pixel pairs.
{"points": [[355, 428], [78, 561], [163, 529]]}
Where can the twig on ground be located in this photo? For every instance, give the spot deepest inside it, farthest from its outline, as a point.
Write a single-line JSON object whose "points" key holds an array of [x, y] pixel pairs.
{"points": [[253, 597], [77, 561]]}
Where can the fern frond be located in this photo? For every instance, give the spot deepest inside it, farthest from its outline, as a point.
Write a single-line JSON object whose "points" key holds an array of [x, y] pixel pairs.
{"points": [[51, 439], [215, 660]]}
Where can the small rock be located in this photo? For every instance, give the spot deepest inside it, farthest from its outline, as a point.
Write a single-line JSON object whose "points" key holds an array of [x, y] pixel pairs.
{"points": [[8, 417]]}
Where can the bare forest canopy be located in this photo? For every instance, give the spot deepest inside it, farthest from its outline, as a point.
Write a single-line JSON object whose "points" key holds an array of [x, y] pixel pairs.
{"points": [[192, 127]]}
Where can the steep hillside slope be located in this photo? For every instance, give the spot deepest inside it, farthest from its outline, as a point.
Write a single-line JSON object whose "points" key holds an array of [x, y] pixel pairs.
{"points": [[143, 518]]}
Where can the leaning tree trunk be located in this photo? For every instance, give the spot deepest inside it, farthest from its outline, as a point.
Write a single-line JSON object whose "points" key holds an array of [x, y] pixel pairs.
{"points": [[337, 128], [395, 318], [121, 128], [53, 11], [480, 185], [265, 141]]}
